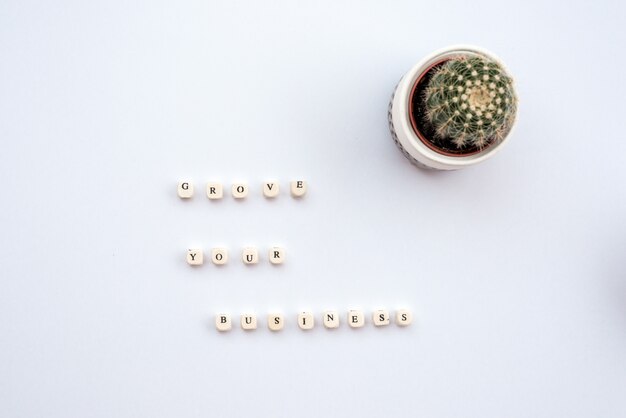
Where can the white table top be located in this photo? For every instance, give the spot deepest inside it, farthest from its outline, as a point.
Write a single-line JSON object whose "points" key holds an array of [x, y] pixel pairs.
{"points": [[514, 269]]}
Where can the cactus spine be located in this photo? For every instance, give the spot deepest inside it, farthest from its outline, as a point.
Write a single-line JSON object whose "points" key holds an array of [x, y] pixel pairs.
{"points": [[470, 100]]}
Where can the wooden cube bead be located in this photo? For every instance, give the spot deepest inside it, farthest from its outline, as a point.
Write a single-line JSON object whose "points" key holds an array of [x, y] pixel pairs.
{"points": [[223, 322], [356, 319], [195, 257], [298, 188], [214, 190], [185, 190]]}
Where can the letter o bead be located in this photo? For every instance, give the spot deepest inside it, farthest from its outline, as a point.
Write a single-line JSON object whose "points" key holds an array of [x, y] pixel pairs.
{"points": [[240, 190], [219, 256]]}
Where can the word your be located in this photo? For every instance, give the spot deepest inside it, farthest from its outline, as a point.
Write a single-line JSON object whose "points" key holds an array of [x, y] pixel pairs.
{"points": [[249, 255], [306, 320], [240, 190]]}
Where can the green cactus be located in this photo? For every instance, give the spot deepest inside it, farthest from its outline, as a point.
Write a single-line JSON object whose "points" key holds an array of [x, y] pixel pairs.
{"points": [[470, 100]]}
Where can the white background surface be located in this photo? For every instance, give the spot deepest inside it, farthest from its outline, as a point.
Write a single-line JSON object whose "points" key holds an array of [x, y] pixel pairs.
{"points": [[514, 268]]}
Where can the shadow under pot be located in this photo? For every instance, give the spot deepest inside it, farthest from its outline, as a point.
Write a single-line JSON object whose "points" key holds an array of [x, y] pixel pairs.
{"points": [[453, 109]]}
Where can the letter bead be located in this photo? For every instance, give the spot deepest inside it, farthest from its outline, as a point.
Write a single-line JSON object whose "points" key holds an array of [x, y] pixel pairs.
{"points": [[248, 321], [277, 255], [404, 317], [195, 257], [185, 190], [223, 322], [380, 317], [298, 188], [270, 189], [275, 321], [306, 320], [240, 190], [219, 256], [250, 255], [356, 318], [331, 319], [214, 190]]}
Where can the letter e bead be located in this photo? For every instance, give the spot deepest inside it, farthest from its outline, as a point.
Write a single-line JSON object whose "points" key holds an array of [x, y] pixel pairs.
{"points": [[356, 318], [298, 188]]}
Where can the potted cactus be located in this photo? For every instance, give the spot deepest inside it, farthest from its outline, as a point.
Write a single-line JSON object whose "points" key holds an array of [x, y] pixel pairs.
{"points": [[453, 109]]}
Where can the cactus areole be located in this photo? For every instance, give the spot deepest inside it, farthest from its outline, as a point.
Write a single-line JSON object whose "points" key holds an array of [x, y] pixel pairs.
{"points": [[459, 104]]}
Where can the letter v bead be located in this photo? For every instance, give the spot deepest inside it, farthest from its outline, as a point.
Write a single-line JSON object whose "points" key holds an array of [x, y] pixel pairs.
{"points": [[270, 189]]}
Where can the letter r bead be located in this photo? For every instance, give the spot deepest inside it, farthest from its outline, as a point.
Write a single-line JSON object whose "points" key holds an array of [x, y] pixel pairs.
{"points": [[277, 255], [214, 190], [331, 319]]}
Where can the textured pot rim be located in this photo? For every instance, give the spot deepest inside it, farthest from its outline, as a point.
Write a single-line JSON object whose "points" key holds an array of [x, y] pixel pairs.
{"points": [[402, 117]]}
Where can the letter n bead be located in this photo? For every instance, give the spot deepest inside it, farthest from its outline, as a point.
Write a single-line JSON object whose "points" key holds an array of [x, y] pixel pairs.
{"points": [[331, 319]]}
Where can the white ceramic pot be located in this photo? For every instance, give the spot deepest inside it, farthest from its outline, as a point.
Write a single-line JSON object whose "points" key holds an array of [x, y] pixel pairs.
{"points": [[410, 142]]}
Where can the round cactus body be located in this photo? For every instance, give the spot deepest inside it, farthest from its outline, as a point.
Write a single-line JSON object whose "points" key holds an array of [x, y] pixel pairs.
{"points": [[470, 101]]}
